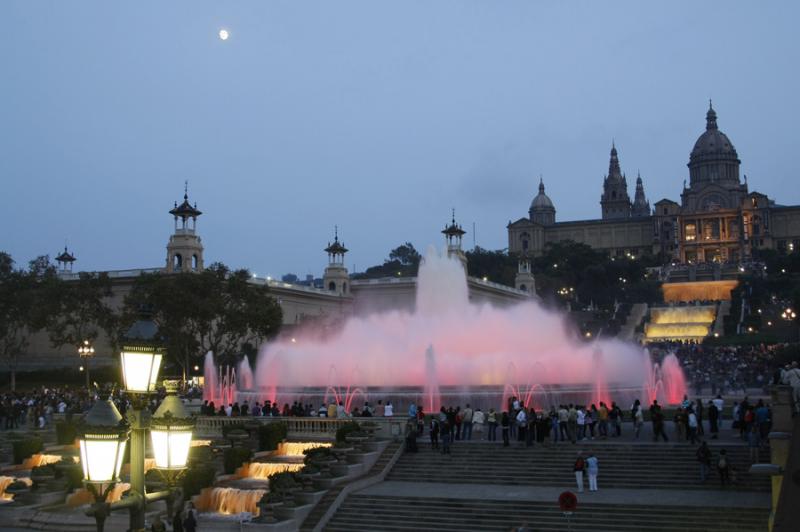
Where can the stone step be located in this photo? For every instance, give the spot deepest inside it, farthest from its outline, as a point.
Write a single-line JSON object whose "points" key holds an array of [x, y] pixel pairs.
{"points": [[365, 512]]}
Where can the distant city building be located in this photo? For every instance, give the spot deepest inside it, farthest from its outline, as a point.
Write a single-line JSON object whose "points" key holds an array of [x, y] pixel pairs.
{"points": [[717, 220]]}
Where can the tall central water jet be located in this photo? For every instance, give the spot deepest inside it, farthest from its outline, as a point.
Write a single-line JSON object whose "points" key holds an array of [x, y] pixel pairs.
{"points": [[474, 345]]}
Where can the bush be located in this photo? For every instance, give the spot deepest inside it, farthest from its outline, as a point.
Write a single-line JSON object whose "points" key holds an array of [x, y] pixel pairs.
{"points": [[343, 431], [271, 434], [26, 448], [66, 433], [235, 457], [196, 478], [73, 475], [282, 483], [316, 454]]}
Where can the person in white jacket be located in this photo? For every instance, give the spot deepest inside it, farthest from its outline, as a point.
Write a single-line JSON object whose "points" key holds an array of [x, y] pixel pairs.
{"points": [[478, 419]]}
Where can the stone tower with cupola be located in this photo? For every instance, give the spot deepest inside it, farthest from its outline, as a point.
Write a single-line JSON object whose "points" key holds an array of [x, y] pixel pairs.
{"points": [[185, 249], [453, 235], [336, 278]]}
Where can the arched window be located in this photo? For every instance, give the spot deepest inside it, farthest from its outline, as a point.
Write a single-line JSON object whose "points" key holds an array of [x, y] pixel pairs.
{"points": [[194, 262], [523, 288], [332, 286], [177, 261], [614, 194]]}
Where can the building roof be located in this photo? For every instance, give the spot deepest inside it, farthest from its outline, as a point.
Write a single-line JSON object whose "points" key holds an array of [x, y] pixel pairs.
{"points": [[713, 144], [453, 229], [65, 256], [336, 248], [541, 201]]}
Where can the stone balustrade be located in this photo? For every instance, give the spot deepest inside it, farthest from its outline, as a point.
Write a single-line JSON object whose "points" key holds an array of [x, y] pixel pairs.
{"points": [[307, 427]]}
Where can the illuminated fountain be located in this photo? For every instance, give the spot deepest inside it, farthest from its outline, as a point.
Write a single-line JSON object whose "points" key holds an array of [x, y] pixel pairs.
{"points": [[296, 448], [449, 351], [5, 482], [680, 323], [229, 501], [264, 470]]}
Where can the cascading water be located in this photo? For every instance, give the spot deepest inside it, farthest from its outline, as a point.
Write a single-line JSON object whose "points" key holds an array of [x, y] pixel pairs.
{"points": [[229, 501], [474, 345], [245, 375], [264, 470]]}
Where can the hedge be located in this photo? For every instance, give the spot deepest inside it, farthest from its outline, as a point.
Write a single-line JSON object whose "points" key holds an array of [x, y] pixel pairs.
{"points": [[235, 457], [271, 434], [66, 433], [343, 431], [26, 448], [196, 478]]}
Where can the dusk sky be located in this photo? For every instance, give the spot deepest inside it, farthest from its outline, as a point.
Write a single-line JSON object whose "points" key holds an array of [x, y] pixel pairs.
{"points": [[376, 116]]}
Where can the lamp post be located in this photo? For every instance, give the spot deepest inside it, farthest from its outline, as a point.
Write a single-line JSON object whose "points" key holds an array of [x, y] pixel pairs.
{"points": [[171, 431], [86, 352]]}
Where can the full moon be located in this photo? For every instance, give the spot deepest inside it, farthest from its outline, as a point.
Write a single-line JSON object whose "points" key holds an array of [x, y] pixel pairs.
{"points": [[223, 34]]}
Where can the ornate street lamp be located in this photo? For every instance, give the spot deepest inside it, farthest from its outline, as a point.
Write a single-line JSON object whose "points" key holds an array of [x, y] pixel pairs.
{"points": [[86, 352], [172, 429], [102, 437], [171, 433], [102, 440]]}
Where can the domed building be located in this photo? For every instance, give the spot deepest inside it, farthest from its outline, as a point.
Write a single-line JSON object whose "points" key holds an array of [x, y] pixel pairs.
{"points": [[718, 220]]}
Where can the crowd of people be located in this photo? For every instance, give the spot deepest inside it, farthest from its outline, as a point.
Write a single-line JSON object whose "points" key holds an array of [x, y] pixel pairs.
{"points": [[722, 369]]}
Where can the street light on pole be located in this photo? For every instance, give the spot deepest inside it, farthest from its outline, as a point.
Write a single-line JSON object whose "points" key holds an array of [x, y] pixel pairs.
{"points": [[86, 352], [171, 431]]}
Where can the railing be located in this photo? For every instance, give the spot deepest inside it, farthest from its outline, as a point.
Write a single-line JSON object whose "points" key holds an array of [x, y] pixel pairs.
{"points": [[388, 427]]}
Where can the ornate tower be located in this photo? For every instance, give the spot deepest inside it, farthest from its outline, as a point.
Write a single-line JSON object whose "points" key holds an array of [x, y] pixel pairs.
{"points": [[615, 202], [542, 210], [524, 279], [336, 278], [185, 249], [453, 235], [64, 261], [641, 207]]}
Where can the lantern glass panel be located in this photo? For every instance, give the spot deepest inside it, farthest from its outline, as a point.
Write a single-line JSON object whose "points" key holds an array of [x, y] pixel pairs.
{"points": [[171, 447], [101, 459], [140, 370]]}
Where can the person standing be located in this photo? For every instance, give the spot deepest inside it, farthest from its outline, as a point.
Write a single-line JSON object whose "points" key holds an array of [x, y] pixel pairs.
{"points": [[692, 422], [492, 420], [388, 411], [704, 459], [638, 418], [578, 468], [466, 422], [592, 470], [572, 423], [447, 436], [792, 377], [713, 420], [478, 419], [504, 424], [434, 433], [580, 421], [522, 424], [698, 410], [554, 423], [603, 416], [723, 468], [190, 521]]}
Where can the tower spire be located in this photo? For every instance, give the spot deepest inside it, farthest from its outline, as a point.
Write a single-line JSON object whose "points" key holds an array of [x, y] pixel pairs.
{"points": [[711, 117]]}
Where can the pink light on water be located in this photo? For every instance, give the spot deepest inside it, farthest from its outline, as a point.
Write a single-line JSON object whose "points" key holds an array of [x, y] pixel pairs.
{"points": [[449, 342]]}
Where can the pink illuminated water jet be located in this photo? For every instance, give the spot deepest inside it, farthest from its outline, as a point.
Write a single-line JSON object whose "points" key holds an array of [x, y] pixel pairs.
{"points": [[451, 351]]}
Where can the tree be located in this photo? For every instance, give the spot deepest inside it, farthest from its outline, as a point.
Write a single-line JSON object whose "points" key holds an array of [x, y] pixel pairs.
{"points": [[214, 310], [497, 266], [78, 310], [22, 306], [403, 261]]}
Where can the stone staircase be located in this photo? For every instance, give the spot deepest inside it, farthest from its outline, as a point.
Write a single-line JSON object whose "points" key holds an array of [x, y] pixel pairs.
{"points": [[637, 314], [387, 513], [317, 515], [673, 465]]}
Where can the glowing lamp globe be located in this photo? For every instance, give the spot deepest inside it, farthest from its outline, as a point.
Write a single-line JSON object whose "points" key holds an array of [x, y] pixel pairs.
{"points": [[141, 357], [171, 431], [140, 367], [102, 441]]}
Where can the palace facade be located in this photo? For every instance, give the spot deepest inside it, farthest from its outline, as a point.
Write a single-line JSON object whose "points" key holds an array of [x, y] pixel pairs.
{"points": [[718, 219]]}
